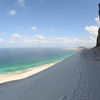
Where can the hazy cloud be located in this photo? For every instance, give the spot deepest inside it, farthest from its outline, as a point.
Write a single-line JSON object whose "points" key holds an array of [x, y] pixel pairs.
{"points": [[42, 41], [21, 3], [93, 39], [12, 12], [1, 40], [16, 36], [2, 33], [34, 28], [92, 29], [97, 19]]}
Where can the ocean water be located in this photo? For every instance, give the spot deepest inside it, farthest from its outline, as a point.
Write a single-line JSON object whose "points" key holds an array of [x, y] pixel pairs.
{"points": [[19, 59]]}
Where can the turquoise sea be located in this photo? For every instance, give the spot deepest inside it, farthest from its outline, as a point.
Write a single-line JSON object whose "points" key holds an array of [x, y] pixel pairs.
{"points": [[19, 59]]}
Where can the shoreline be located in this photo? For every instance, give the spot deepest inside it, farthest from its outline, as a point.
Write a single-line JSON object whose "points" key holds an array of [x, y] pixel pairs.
{"points": [[26, 73]]}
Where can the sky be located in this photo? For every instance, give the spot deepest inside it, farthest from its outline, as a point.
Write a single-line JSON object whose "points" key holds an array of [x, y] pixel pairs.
{"points": [[48, 23]]}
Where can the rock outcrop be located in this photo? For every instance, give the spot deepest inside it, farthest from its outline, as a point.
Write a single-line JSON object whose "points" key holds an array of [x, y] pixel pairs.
{"points": [[98, 37]]}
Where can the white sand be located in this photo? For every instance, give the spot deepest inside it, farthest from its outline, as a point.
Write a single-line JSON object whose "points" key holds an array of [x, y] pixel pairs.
{"points": [[24, 74], [75, 78]]}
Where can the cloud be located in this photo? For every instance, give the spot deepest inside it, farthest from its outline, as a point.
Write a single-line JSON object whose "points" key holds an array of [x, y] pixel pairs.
{"points": [[38, 40], [34, 28], [97, 19], [92, 29], [38, 37], [12, 12], [2, 33], [92, 39], [12, 41], [1, 40], [21, 3], [16, 36]]}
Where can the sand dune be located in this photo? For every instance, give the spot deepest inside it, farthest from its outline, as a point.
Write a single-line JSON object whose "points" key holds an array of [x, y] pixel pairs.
{"points": [[75, 78]]}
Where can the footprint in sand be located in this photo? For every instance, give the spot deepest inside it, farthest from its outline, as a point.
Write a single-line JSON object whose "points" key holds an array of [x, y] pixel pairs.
{"points": [[64, 98]]}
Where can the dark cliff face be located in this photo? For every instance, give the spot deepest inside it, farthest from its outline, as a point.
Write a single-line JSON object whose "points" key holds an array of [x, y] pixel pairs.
{"points": [[98, 37], [99, 9]]}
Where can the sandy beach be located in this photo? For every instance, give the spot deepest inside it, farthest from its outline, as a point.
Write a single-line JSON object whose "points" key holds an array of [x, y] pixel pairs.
{"points": [[24, 74], [75, 78]]}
